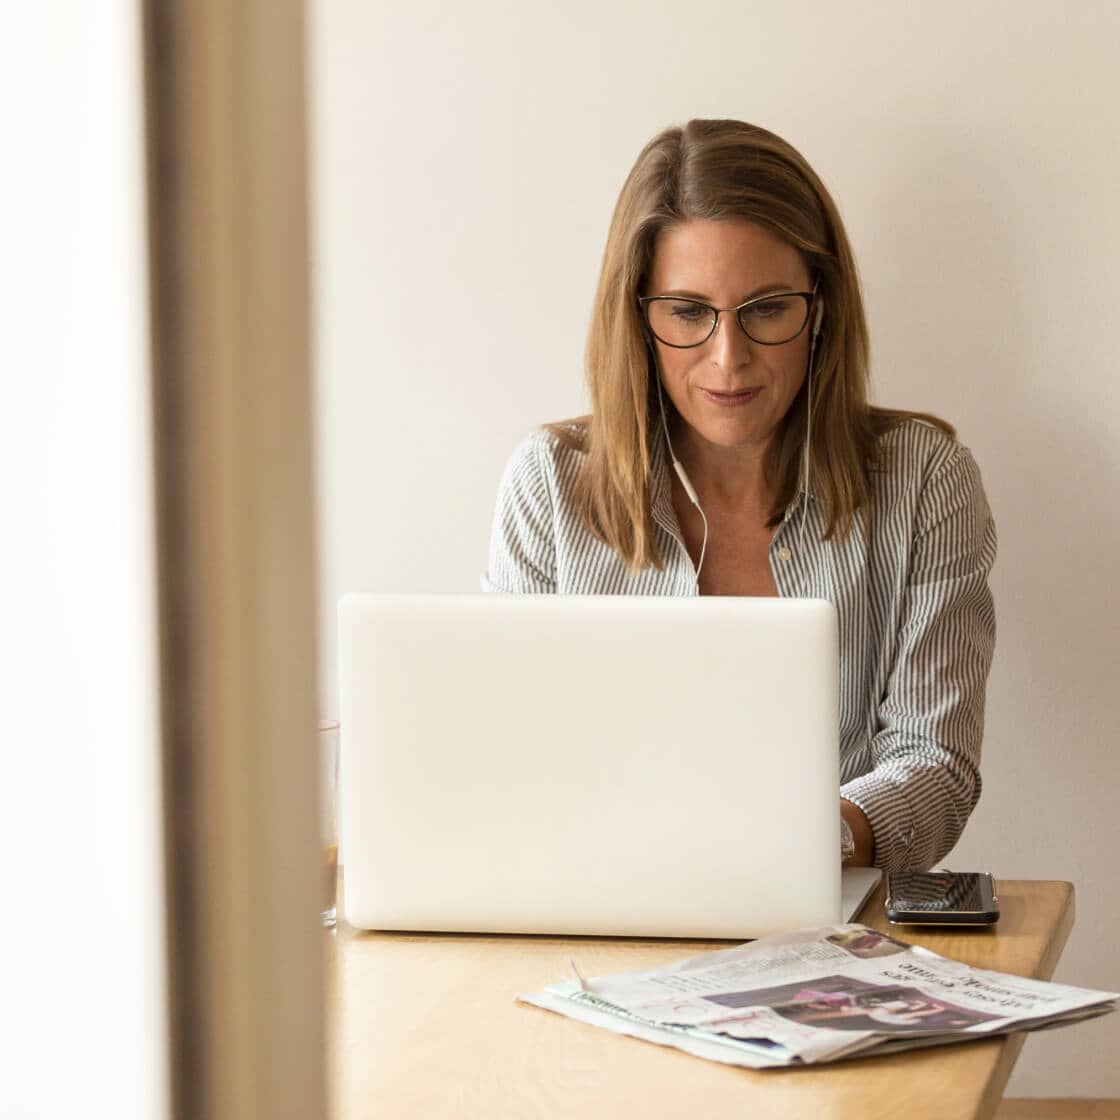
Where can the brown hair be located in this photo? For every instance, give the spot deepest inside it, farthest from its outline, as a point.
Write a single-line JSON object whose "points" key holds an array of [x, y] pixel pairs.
{"points": [[723, 170]]}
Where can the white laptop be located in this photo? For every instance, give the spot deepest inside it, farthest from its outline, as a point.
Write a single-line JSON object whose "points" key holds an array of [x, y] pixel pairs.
{"points": [[606, 765]]}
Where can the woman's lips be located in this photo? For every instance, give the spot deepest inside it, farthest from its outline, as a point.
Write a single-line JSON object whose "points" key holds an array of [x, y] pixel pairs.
{"points": [[731, 400]]}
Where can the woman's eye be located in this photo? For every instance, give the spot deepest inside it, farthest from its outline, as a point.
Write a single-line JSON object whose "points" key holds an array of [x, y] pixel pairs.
{"points": [[688, 311], [769, 308]]}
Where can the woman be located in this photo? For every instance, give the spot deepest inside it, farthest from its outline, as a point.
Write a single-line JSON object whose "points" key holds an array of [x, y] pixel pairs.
{"points": [[731, 450]]}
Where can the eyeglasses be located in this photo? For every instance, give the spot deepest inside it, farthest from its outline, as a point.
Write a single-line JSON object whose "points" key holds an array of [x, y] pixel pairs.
{"points": [[769, 320]]}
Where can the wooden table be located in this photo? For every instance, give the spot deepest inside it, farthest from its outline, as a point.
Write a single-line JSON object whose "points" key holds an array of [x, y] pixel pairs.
{"points": [[427, 1026]]}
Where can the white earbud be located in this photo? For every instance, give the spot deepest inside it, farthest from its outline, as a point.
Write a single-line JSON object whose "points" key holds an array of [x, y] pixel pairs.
{"points": [[816, 330], [686, 483]]}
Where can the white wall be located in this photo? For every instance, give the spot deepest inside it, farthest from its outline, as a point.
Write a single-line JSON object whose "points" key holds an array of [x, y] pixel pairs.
{"points": [[468, 160], [82, 1031]]}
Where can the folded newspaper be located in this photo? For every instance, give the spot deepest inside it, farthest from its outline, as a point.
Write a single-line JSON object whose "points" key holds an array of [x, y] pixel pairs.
{"points": [[817, 995]]}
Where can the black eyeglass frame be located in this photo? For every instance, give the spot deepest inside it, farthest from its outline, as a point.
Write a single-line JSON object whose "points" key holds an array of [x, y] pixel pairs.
{"points": [[645, 301]]}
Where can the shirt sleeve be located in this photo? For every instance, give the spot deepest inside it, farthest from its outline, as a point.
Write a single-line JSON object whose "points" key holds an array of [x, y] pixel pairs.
{"points": [[925, 778], [522, 554]]}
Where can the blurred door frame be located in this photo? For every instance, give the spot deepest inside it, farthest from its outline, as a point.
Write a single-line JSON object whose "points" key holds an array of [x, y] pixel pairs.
{"points": [[230, 318]]}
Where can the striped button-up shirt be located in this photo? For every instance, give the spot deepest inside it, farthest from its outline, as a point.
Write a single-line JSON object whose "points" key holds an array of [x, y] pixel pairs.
{"points": [[917, 625]]}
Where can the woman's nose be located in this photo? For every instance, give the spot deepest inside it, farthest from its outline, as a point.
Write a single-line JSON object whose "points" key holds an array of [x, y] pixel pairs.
{"points": [[730, 345]]}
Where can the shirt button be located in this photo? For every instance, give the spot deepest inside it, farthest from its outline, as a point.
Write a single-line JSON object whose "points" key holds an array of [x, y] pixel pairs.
{"points": [[784, 553]]}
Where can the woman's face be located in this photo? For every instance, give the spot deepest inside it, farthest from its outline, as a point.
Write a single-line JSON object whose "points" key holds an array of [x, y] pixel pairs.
{"points": [[731, 392]]}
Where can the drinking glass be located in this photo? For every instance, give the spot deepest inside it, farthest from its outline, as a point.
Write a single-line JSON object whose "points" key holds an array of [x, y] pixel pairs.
{"points": [[328, 817]]}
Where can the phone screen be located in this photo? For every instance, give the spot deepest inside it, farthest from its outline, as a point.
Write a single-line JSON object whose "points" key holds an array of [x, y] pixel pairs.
{"points": [[941, 891]]}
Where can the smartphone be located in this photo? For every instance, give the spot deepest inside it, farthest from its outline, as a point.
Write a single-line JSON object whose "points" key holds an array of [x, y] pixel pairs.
{"points": [[941, 898]]}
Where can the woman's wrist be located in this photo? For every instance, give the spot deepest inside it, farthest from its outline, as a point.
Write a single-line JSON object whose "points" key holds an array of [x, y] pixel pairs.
{"points": [[861, 834]]}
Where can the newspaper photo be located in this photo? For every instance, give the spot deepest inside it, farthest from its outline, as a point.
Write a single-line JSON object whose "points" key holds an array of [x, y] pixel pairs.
{"points": [[817, 995]]}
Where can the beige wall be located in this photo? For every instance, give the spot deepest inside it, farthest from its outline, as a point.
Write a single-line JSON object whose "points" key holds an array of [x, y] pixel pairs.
{"points": [[468, 160]]}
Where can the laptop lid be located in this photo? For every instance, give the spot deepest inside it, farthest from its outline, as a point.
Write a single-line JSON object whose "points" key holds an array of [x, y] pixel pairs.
{"points": [[639, 766]]}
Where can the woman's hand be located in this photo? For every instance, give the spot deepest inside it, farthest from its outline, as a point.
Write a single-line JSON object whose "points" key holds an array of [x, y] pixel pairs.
{"points": [[861, 833]]}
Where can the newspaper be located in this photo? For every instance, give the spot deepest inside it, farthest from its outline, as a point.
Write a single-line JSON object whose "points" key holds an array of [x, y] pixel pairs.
{"points": [[817, 995]]}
